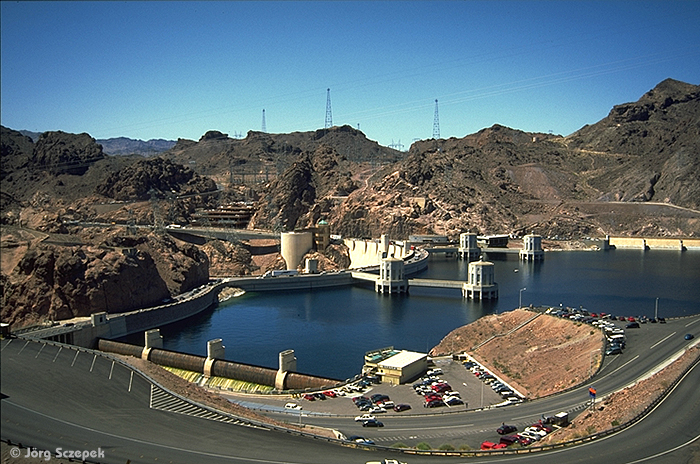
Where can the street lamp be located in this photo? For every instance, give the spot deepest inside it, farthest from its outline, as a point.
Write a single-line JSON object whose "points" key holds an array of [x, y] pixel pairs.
{"points": [[520, 303]]}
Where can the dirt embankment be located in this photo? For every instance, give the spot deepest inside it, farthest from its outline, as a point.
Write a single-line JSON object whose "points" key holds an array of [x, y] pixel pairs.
{"points": [[535, 353], [624, 405]]}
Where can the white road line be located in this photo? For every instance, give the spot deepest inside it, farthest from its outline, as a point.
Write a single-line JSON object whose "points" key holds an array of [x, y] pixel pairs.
{"points": [[661, 341], [691, 323], [611, 373]]}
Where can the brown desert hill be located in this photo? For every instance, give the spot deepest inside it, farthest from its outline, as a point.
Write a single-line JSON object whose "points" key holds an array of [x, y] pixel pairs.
{"points": [[268, 155], [647, 150], [536, 353], [306, 192], [113, 273]]}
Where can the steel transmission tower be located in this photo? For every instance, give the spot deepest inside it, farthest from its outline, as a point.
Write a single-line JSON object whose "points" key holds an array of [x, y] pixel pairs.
{"points": [[329, 115], [436, 123], [264, 129]]}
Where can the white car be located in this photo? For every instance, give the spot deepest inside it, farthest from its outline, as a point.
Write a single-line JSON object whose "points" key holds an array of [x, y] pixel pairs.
{"points": [[386, 461], [536, 430], [292, 406], [365, 417], [376, 410]]}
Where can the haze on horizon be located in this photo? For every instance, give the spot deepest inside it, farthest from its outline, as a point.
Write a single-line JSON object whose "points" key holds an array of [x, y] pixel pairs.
{"points": [[172, 70]]}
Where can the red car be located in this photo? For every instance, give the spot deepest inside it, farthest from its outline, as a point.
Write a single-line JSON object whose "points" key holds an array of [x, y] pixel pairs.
{"points": [[330, 394], [309, 397], [441, 388], [487, 445]]}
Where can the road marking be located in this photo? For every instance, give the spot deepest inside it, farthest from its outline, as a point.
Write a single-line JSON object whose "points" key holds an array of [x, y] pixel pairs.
{"points": [[661, 341], [164, 401], [691, 323], [666, 452], [611, 373]]}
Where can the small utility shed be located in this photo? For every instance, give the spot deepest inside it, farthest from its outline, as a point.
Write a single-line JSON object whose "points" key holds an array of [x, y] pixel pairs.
{"points": [[402, 367]]}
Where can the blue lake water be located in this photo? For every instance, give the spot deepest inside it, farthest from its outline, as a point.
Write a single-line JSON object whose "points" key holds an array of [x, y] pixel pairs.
{"points": [[330, 330]]}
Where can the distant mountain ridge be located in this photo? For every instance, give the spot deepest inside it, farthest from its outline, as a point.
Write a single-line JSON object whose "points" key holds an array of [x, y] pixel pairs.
{"points": [[123, 145]]}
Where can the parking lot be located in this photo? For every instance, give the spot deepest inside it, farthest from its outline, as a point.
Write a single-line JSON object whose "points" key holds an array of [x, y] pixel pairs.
{"points": [[474, 393]]}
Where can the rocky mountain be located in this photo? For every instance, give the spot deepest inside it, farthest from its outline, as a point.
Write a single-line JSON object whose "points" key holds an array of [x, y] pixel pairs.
{"points": [[263, 156], [127, 146], [122, 145], [648, 150]]}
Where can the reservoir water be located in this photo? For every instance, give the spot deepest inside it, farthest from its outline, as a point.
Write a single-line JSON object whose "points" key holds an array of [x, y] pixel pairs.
{"points": [[330, 330]]}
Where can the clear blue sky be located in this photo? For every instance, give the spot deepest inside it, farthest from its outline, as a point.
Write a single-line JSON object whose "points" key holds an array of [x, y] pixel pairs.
{"points": [[178, 69]]}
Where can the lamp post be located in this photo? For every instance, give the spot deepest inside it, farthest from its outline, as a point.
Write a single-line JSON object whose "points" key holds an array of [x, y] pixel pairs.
{"points": [[520, 303]]}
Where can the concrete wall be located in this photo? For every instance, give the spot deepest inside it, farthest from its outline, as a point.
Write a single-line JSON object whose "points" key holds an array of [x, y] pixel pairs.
{"points": [[654, 243], [364, 253], [220, 367]]}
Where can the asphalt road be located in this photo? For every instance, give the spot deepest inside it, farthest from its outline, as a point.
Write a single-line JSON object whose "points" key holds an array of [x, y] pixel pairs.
{"points": [[53, 398]]}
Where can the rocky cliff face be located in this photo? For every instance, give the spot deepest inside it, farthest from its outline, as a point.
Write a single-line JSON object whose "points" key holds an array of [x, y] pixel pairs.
{"points": [[652, 147], [305, 192], [123, 273]]}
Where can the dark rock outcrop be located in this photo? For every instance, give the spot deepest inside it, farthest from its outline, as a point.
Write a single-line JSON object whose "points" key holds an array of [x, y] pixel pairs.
{"points": [[136, 181], [60, 152]]}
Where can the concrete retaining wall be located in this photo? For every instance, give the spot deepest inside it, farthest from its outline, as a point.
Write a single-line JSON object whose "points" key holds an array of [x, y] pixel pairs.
{"points": [[220, 367], [655, 243]]}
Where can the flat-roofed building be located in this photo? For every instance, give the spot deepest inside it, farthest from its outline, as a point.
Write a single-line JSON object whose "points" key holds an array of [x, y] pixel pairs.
{"points": [[402, 367]]}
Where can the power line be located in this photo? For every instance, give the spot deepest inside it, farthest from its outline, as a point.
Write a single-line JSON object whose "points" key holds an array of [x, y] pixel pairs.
{"points": [[329, 115], [436, 123]]}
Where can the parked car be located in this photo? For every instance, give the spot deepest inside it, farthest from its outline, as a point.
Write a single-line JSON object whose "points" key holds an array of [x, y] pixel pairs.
{"points": [[531, 435], [402, 407], [536, 430], [452, 401], [330, 394], [376, 410], [379, 397], [632, 325], [441, 387], [487, 445], [613, 350], [309, 397], [510, 440], [434, 403], [506, 429]]}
